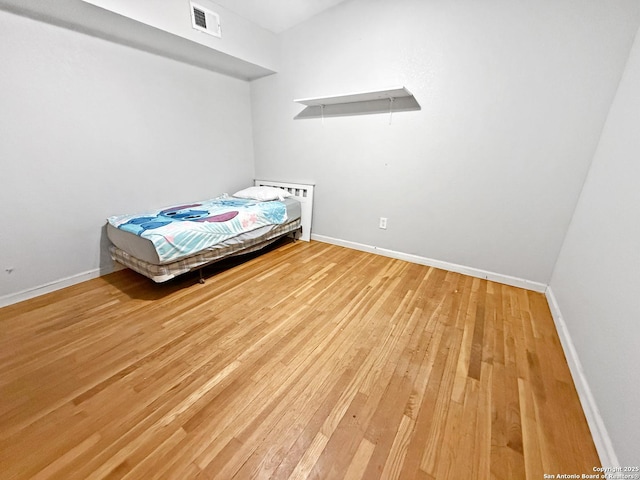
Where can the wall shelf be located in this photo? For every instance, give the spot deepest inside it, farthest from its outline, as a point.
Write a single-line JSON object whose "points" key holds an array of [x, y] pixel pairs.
{"points": [[390, 100]]}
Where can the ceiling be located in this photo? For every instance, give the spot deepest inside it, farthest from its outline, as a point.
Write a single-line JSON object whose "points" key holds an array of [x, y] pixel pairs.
{"points": [[277, 15]]}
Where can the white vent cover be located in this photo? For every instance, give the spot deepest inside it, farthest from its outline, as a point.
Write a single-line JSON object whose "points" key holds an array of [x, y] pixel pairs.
{"points": [[205, 20]]}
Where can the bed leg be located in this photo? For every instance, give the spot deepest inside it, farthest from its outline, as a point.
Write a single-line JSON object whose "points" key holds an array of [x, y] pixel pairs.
{"points": [[297, 234], [201, 280]]}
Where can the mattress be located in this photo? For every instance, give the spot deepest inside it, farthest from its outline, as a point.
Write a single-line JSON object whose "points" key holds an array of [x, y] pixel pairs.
{"points": [[162, 273], [143, 249]]}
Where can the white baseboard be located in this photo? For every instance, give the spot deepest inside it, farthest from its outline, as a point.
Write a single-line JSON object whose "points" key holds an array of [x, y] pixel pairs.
{"points": [[601, 438], [430, 262], [33, 292]]}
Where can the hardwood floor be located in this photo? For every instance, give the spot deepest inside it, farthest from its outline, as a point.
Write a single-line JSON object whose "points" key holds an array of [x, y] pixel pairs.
{"points": [[310, 361]]}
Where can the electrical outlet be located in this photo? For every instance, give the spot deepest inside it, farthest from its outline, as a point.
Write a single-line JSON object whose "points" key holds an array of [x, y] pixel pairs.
{"points": [[383, 223]]}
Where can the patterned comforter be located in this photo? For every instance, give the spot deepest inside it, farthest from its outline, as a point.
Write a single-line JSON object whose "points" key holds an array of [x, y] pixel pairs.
{"points": [[183, 230]]}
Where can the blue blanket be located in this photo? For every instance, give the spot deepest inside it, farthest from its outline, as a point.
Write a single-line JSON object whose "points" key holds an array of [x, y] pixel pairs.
{"points": [[183, 230]]}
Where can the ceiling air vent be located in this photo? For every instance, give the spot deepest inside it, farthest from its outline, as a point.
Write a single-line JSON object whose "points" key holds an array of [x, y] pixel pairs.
{"points": [[205, 20]]}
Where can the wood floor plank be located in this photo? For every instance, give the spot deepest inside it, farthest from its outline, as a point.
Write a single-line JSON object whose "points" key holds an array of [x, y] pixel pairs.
{"points": [[307, 361], [356, 468]]}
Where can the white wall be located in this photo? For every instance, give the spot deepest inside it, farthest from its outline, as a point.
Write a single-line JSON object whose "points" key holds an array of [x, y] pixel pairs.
{"points": [[596, 281], [90, 129], [514, 95]]}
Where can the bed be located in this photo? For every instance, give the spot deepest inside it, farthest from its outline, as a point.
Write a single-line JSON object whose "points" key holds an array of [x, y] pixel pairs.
{"points": [[171, 241]]}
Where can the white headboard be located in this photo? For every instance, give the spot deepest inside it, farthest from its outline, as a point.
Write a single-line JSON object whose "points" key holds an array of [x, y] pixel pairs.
{"points": [[304, 194]]}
